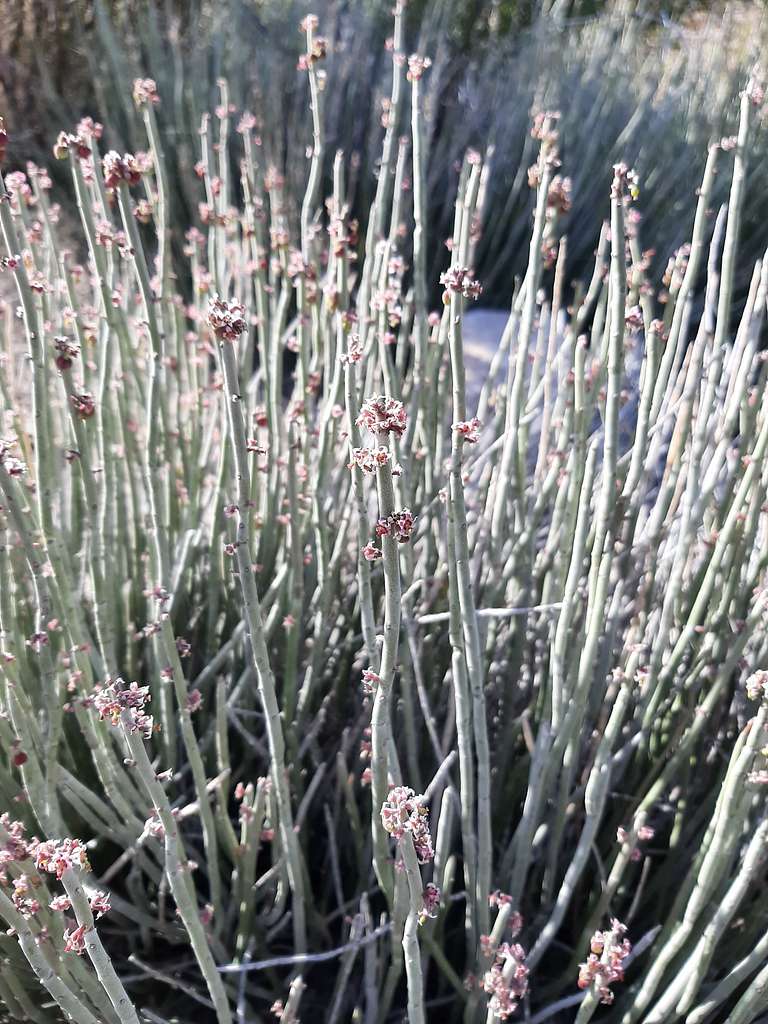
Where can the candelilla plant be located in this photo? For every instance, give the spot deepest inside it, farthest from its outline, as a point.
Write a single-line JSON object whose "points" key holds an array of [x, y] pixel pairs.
{"points": [[335, 683]]}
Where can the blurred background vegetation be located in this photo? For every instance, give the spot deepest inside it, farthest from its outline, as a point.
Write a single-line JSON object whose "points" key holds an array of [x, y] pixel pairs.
{"points": [[647, 82]]}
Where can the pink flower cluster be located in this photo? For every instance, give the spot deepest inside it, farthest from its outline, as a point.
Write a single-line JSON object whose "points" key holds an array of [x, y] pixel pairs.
{"points": [[507, 980], [757, 685], [459, 279], [398, 525], [382, 415], [624, 179], [431, 900], [644, 833], [74, 940], [120, 168], [153, 827], [403, 812], [370, 681], [66, 351], [605, 963], [559, 194], [145, 91], [114, 699], [311, 57], [469, 430], [59, 855], [84, 405], [67, 141], [15, 848], [369, 459], [227, 319], [416, 67], [13, 467], [23, 896], [100, 904], [354, 351]]}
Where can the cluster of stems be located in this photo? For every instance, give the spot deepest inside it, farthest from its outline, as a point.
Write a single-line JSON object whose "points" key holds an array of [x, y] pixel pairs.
{"points": [[270, 552]]}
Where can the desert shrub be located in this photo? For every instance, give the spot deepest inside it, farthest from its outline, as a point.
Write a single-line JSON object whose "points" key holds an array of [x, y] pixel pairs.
{"points": [[324, 694]]}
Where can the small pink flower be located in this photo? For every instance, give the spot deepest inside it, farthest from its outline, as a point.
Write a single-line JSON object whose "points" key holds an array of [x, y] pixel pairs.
{"points": [[100, 904], [370, 681], [416, 67], [74, 941], [246, 123], [84, 405], [431, 901], [194, 701], [154, 827], [371, 552]]}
